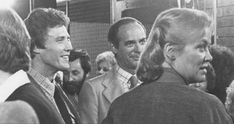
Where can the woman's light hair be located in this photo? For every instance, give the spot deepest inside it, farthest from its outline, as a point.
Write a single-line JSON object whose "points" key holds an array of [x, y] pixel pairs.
{"points": [[230, 94], [107, 56], [171, 26]]}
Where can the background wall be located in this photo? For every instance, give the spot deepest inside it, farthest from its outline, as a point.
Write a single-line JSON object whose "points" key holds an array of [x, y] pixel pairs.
{"points": [[91, 20], [225, 23]]}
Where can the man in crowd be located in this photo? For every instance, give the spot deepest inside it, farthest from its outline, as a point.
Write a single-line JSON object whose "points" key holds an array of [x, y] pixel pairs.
{"points": [[50, 50], [80, 67], [23, 101], [128, 38]]}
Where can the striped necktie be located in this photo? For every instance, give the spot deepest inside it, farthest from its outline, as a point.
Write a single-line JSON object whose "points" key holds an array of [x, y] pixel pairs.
{"points": [[133, 82], [64, 97]]}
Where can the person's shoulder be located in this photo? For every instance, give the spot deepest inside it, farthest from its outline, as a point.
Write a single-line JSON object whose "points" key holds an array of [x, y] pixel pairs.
{"points": [[25, 88], [95, 84], [30, 93], [35, 97], [204, 98], [28, 88], [99, 79], [212, 99], [17, 112]]}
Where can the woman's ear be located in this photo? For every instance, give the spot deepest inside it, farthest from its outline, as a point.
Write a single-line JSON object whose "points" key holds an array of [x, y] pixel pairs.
{"points": [[169, 52]]}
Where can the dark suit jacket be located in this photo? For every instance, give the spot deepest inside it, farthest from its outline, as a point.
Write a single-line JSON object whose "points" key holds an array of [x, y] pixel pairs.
{"points": [[167, 101], [34, 96]]}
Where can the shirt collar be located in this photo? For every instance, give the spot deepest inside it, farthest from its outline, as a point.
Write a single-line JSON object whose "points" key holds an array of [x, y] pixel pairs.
{"points": [[15, 81], [124, 75], [44, 82]]}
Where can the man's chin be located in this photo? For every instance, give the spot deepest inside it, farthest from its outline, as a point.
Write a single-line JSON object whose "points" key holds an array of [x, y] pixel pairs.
{"points": [[133, 64], [70, 88], [201, 79], [64, 66]]}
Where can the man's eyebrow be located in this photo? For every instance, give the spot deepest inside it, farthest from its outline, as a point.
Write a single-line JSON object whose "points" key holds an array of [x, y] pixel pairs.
{"points": [[61, 37], [129, 41], [142, 39]]}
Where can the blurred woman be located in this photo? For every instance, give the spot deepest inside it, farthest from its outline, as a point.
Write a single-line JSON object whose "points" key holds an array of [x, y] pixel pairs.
{"points": [[105, 62], [176, 55], [229, 103]]}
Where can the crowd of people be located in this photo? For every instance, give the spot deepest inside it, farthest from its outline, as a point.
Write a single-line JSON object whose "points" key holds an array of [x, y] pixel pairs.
{"points": [[175, 75]]}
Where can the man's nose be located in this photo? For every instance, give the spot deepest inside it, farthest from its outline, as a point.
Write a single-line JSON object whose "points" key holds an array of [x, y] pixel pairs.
{"points": [[70, 78], [68, 45], [208, 56], [138, 47]]}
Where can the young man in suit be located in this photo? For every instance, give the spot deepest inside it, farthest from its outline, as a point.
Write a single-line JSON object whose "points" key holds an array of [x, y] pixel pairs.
{"points": [[50, 50], [128, 38], [15, 59]]}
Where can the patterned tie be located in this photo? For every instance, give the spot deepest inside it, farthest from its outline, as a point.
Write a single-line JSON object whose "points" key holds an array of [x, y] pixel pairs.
{"points": [[65, 99], [133, 82], [62, 107]]}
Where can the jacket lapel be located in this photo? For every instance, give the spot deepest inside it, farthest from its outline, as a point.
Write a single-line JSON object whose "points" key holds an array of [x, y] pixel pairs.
{"points": [[112, 86]]}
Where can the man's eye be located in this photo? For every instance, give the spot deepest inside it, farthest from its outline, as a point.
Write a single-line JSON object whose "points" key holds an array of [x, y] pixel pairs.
{"points": [[59, 39], [202, 48], [130, 44], [75, 72], [142, 42]]}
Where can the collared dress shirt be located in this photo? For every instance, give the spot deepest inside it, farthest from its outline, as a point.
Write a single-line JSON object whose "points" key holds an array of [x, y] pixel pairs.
{"points": [[124, 77], [47, 86]]}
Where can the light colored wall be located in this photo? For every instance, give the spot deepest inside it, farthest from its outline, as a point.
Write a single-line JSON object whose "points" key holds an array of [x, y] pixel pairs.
{"points": [[225, 23]]}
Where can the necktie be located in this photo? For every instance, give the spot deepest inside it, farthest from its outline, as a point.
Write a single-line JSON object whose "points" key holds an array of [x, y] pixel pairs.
{"points": [[133, 82], [65, 99], [62, 107]]}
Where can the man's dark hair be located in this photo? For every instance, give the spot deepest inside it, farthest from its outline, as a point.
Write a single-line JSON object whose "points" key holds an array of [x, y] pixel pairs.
{"points": [[84, 59], [38, 22], [70, 86], [223, 64]]}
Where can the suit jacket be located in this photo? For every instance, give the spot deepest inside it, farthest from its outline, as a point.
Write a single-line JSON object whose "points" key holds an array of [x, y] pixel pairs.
{"points": [[97, 95], [167, 101], [17, 112], [34, 96]]}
